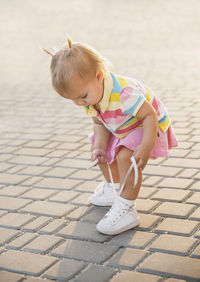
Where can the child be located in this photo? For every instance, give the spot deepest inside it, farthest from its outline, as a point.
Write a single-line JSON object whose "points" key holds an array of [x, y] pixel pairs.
{"points": [[128, 121]]}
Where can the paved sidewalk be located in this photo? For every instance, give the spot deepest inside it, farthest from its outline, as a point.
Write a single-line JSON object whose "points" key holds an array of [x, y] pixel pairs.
{"points": [[47, 229]]}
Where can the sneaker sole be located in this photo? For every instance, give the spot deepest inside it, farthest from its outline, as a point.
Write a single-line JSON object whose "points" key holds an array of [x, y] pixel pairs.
{"points": [[123, 229], [102, 204]]}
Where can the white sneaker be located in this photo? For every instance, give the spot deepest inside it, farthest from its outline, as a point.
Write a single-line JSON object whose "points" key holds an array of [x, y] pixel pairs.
{"points": [[104, 194], [119, 218]]}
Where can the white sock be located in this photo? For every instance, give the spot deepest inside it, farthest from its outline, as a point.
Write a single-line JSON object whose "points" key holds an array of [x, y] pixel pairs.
{"points": [[127, 202], [116, 186]]}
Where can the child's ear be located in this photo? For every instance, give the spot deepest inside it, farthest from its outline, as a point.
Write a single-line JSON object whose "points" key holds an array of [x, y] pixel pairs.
{"points": [[99, 75]]}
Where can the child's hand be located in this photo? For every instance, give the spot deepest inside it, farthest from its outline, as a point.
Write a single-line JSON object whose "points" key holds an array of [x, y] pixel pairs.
{"points": [[141, 155], [99, 154]]}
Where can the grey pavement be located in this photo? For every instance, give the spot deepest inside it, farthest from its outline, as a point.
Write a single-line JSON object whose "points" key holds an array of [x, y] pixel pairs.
{"points": [[47, 229]]}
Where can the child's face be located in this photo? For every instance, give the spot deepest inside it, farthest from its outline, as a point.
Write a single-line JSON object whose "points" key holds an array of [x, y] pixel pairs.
{"points": [[85, 93]]}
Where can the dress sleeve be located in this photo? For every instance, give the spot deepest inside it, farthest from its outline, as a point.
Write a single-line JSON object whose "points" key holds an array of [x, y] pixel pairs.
{"points": [[131, 99]]}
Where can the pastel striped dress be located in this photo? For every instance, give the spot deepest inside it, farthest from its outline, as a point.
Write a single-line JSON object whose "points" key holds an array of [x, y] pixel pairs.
{"points": [[122, 99]]}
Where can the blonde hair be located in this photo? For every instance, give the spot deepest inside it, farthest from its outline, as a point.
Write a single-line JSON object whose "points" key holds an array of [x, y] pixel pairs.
{"points": [[75, 59]]}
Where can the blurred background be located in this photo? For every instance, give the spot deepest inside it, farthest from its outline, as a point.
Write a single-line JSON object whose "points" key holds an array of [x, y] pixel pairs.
{"points": [[156, 42]]}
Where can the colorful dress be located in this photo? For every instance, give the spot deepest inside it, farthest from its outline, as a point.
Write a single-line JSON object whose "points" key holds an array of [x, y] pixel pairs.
{"points": [[122, 99]]}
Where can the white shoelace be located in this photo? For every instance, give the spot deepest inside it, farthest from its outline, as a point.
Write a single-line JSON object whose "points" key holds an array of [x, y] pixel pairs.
{"points": [[102, 188], [132, 166]]}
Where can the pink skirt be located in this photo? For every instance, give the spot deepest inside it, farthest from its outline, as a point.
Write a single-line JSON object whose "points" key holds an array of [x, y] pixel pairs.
{"points": [[164, 142]]}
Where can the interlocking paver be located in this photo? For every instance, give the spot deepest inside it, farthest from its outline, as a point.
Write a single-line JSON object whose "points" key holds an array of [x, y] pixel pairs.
{"points": [[177, 226], [64, 270], [97, 273], [136, 239], [176, 195], [42, 244], [12, 204], [7, 234], [36, 224], [173, 244], [48, 208], [13, 191], [64, 196], [195, 186], [180, 162], [148, 221], [195, 215], [26, 263], [127, 258], [10, 277], [38, 194], [177, 210], [12, 178], [170, 171], [86, 251], [175, 183], [195, 198], [15, 220], [177, 266], [145, 205], [129, 276], [82, 230], [55, 183], [20, 241], [196, 252]]}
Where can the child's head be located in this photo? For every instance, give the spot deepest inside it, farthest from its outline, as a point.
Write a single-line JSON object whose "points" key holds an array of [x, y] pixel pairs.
{"points": [[76, 67]]}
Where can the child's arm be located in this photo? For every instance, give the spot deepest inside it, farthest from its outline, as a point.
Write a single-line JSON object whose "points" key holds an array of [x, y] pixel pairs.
{"points": [[150, 127], [101, 137]]}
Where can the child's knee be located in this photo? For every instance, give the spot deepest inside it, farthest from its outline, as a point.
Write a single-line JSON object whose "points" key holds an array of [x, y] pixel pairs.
{"points": [[124, 155]]}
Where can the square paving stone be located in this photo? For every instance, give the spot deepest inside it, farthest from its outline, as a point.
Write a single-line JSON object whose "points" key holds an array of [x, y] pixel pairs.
{"points": [[42, 244], [86, 251], [64, 196], [177, 226], [10, 277], [174, 195], [48, 208], [64, 270], [55, 183], [78, 213], [12, 204], [127, 258], [36, 224], [26, 263], [7, 235], [20, 241], [173, 244], [130, 238], [82, 230], [147, 221], [175, 183], [97, 273], [194, 199], [13, 191], [181, 162], [130, 276], [53, 226], [95, 214], [15, 220], [195, 215], [177, 210], [146, 205], [38, 194], [175, 266], [12, 178]]}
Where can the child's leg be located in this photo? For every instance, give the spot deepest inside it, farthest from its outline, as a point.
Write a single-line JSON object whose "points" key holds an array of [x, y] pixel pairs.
{"points": [[124, 162], [114, 170]]}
